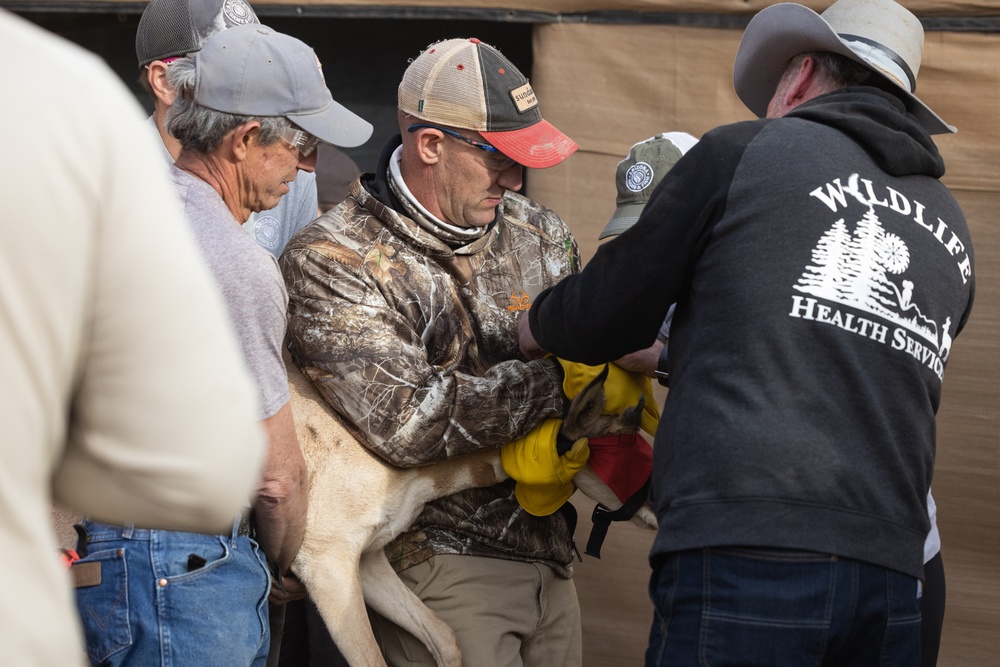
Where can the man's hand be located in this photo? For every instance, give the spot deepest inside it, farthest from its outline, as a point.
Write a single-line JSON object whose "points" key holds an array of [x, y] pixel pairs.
{"points": [[294, 589], [529, 346], [544, 478], [283, 495], [643, 361]]}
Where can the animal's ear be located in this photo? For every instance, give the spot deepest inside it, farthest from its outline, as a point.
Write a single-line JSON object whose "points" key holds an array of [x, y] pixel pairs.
{"points": [[586, 407], [591, 400], [585, 417], [631, 418]]}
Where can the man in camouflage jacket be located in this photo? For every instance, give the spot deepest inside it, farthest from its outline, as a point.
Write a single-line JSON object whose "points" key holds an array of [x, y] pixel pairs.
{"points": [[403, 308]]}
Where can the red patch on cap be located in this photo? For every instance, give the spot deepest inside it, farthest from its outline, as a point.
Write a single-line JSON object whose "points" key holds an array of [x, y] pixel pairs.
{"points": [[474, 40], [502, 70], [460, 66]]}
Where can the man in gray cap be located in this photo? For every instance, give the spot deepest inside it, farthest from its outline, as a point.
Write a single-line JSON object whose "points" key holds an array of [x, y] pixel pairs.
{"points": [[821, 271], [251, 107], [170, 29], [403, 306]]}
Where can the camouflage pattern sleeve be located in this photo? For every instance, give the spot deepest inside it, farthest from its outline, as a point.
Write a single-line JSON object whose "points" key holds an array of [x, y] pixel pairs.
{"points": [[377, 328]]}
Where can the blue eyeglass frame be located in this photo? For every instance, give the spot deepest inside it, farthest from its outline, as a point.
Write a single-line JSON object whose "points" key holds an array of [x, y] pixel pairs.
{"points": [[452, 133], [493, 152]]}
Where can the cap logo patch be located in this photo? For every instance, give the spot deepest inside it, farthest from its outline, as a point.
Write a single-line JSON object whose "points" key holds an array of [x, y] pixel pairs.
{"points": [[638, 177], [524, 98], [239, 12]]}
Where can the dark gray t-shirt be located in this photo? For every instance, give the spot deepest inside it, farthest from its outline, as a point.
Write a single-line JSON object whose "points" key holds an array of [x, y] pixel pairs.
{"points": [[250, 282]]}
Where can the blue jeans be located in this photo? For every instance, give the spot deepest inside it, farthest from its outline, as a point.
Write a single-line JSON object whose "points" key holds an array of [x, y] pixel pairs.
{"points": [[174, 599], [748, 606]]}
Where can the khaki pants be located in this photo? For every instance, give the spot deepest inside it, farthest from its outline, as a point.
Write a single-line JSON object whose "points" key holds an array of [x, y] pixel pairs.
{"points": [[504, 613]]}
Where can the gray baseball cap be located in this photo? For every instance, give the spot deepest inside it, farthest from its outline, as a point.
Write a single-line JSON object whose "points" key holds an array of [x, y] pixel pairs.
{"points": [[174, 28], [638, 175], [253, 70]]}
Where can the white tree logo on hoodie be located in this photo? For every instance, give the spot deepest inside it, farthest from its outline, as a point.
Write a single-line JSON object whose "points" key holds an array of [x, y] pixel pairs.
{"points": [[857, 266]]}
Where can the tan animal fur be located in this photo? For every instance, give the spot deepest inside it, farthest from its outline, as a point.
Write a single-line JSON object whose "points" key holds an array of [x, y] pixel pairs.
{"points": [[358, 503]]}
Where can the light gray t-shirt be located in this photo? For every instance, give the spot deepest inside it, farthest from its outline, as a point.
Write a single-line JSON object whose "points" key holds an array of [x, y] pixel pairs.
{"points": [[273, 229], [250, 282]]}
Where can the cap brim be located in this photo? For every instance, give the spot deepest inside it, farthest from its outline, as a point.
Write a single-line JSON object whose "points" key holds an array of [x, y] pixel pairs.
{"points": [[779, 33], [623, 218], [537, 146], [335, 124]]}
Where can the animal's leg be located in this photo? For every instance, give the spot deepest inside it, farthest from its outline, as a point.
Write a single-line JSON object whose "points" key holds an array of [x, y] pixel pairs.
{"points": [[645, 517], [390, 597], [594, 488], [335, 587]]}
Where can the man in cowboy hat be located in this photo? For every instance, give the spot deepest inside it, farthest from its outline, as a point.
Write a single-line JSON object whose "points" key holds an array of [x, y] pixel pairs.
{"points": [[820, 269]]}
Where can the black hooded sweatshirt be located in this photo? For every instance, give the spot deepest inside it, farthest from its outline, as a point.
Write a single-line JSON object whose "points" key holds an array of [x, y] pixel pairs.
{"points": [[821, 271]]}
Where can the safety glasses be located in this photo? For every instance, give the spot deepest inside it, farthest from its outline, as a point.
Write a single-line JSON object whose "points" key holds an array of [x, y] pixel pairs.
{"points": [[300, 140], [495, 159]]}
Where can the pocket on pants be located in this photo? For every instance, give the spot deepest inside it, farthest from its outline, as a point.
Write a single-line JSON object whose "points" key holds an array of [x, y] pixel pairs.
{"points": [[215, 609], [902, 632], [768, 606], [104, 610], [178, 551]]}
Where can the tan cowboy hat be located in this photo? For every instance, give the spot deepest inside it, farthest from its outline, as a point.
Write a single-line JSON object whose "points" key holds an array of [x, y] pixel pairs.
{"points": [[880, 34]]}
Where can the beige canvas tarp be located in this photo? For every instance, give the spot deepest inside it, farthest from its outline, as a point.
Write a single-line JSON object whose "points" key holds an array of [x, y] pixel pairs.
{"points": [[608, 86]]}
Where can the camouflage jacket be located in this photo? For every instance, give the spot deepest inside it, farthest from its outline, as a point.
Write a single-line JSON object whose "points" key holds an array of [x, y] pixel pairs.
{"points": [[415, 343]]}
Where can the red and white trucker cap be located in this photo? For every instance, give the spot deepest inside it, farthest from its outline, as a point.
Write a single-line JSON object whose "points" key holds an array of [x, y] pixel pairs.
{"points": [[467, 84]]}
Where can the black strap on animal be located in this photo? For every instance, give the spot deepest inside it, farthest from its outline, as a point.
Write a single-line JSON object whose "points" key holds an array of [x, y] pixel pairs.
{"points": [[603, 517], [569, 516]]}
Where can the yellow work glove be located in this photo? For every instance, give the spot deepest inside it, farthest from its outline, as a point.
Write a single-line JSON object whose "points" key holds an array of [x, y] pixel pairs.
{"points": [[622, 390], [544, 478]]}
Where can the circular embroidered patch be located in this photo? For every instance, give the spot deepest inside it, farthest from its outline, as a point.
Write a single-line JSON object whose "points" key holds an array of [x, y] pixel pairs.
{"points": [[265, 232], [638, 177], [239, 12]]}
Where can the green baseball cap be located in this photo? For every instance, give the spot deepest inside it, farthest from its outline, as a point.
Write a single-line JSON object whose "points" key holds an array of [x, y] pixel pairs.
{"points": [[639, 174]]}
